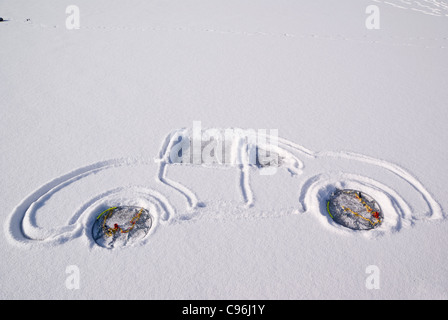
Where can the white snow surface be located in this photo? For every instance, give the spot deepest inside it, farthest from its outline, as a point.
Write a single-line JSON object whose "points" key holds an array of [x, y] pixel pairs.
{"points": [[86, 117]]}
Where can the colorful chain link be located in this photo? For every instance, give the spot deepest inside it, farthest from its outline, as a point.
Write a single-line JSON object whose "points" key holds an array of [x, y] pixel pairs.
{"points": [[108, 231]]}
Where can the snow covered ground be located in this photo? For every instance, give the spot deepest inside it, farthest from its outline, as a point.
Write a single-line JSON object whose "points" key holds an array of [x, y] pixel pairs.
{"points": [[85, 112]]}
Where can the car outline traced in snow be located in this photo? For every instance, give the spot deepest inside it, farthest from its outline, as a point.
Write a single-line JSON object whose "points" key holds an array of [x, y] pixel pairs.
{"points": [[245, 146]]}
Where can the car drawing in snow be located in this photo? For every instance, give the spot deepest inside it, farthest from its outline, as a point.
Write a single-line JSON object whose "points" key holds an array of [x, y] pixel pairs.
{"points": [[317, 176]]}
